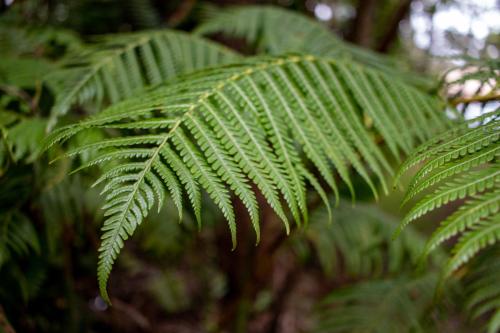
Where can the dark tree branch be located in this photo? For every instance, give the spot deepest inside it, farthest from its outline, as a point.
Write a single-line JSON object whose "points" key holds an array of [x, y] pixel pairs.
{"points": [[362, 30], [4, 323], [21, 94], [392, 31], [181, 13], [278, 306], [493, 96]]}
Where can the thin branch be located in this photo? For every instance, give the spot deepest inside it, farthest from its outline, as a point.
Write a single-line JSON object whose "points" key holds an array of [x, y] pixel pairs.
{"points": [[4, 323], [182, 12], [21, 94], [362, 26], [392, 31], [7, 147], [132, 313], [494, 96]]}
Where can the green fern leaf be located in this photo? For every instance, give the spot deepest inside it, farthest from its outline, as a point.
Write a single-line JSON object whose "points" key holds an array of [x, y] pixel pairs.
{"points": [[454, 138], [268, 122], [17, 236], [484, 233], [357, 245], [385, 305], [420, 183], [464, 218], [463, 163], [483, 289]]}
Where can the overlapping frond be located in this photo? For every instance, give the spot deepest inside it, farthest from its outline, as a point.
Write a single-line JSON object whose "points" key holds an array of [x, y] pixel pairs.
{"points": [[21, 40], [462, 164], [483, 289], [387, 305], [20, 138], [142, 14], [276, 30], [17, 236], [119, 66], [272, 122], [359, 242], [23, 72]]}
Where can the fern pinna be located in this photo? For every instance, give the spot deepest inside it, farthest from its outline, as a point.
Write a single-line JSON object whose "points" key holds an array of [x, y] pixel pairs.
{"points": [[463, 165], [225, 128]]}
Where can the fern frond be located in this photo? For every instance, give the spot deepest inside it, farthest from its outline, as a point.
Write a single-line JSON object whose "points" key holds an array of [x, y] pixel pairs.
{"points": [[360, 243], [455, 138], [466, 185], [20, 137], [275, 30], [31, 40], [17, 236], [23, 71], [420, 183], [119, 66], [464, 218], [268, 122], [387, 305], [483, 289], [484, 233], [463, 163]]}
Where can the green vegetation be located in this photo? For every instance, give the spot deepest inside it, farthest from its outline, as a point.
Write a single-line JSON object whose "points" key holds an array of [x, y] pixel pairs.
{"points": [[163, 139]]}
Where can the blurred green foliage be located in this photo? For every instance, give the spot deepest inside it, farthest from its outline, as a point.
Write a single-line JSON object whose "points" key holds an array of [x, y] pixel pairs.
{"points": [[173, 276]]}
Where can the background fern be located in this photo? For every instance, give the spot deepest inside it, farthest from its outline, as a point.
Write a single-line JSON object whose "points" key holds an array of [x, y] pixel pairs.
{"points": [[276, 30], [375, 286], [17, 236], [180, 125], [358, 243], [386, 305], [20, 132], [119, 66], [23, 72], [483, 290], [30, 40]]}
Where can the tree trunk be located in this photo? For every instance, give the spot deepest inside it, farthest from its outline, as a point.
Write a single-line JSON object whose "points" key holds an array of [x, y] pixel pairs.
{"points": [[392, 30], [362, 30], [249, 267]]}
